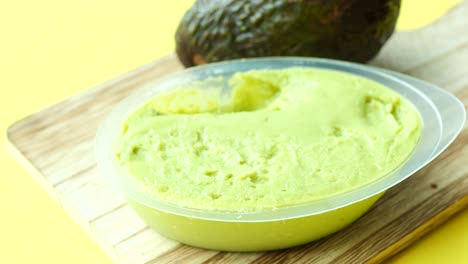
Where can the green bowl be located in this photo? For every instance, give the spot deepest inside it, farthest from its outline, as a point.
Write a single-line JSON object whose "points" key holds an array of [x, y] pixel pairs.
{"points": [[442, 118], [250, 236]]}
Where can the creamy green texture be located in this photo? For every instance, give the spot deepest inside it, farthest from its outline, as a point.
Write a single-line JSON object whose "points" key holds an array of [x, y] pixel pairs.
{"points": [[285, 137]]}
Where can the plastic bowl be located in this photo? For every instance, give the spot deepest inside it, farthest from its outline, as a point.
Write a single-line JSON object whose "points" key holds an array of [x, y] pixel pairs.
{"points": [[442, 116]]}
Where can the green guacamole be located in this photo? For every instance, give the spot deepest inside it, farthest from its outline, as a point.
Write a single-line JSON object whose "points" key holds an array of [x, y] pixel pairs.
{"points": [[283, 137]]}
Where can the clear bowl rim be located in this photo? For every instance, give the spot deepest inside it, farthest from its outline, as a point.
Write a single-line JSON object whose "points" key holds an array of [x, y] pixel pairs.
{"points": [[130, 188]]}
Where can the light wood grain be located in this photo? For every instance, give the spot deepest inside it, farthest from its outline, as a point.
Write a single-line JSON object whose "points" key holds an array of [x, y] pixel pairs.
{"points": [[57, 146]]}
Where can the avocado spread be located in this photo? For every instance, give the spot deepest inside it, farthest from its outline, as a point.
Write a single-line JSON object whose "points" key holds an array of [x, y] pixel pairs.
{"points": [[283, 137]]}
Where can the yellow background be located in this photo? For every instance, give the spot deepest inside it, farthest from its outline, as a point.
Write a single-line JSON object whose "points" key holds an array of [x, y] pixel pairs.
{"points": [[52, 49]]}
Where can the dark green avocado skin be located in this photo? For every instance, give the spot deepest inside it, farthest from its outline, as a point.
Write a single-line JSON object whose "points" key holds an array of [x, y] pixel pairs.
{"points": [[217, 30]]}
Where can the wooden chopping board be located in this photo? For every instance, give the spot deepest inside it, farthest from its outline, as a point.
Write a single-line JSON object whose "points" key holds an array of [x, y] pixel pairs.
{"points": [[56, 144]]}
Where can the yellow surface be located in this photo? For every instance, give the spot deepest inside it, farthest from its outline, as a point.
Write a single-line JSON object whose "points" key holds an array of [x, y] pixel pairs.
{"points": [[52, 49], [417, 13], [329, 132]]}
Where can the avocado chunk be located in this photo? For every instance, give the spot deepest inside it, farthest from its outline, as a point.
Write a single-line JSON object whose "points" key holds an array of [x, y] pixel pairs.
{"points": [[217, 30]]}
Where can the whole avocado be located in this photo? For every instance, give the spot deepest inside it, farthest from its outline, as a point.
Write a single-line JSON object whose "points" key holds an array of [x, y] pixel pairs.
{"points": [[353, 30]]}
